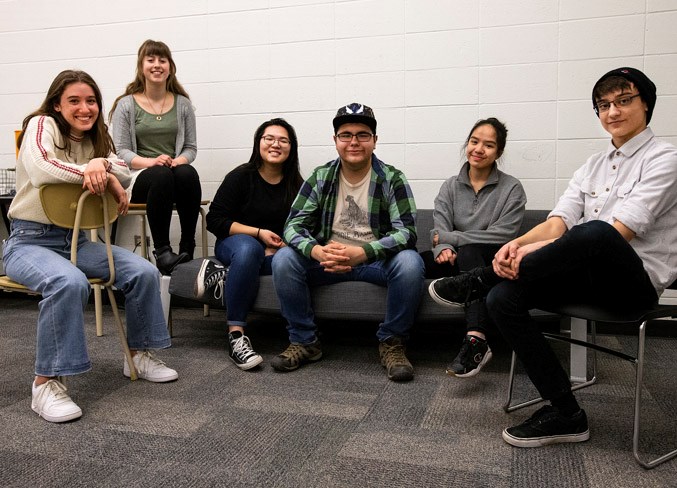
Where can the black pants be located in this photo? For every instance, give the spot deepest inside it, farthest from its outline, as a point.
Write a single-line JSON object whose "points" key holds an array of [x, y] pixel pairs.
{"points": [[591, 263], [467, 257], [160, 187]]}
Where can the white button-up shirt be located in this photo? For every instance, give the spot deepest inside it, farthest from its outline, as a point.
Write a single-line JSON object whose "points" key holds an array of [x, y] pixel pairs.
{"points": [[635, 184]]}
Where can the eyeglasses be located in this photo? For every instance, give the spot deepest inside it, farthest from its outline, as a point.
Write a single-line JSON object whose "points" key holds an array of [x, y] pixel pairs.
{"points": [[348, 137], [270, 140], [622, 101]]}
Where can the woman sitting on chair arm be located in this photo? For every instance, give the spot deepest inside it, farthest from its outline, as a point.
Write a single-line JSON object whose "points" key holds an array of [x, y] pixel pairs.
{"points": [[67, 141]]}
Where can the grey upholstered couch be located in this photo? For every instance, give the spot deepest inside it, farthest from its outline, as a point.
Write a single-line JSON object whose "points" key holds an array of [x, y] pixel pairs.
{"points": [[349, 300]]}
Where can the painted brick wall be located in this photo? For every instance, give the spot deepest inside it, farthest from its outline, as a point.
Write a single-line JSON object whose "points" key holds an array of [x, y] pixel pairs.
{"points": [[429, 68]]}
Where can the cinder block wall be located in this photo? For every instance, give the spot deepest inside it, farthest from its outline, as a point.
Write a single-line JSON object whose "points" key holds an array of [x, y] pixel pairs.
{"points": [[429, 68]]}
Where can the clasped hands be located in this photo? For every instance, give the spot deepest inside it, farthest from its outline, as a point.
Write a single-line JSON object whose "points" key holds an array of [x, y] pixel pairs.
{"points": [[506, 262], [97, 179], [335, 257], [164, 160]]}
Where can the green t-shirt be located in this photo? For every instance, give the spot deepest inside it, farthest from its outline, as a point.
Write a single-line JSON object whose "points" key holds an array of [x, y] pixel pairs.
{"points": [[155, 137]]}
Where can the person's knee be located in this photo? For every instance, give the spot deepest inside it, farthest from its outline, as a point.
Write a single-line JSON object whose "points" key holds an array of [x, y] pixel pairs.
{"points": [[71, 283], [248, 252], [283, 260], [159, 175], [409, 263], [186, 171]]}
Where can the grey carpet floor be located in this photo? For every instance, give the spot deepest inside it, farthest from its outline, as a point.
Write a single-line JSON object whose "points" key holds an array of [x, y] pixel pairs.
{"points": [[338, 422]]}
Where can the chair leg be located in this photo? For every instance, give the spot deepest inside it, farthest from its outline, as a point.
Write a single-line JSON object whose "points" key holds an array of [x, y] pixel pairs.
{"points": [[144, 239], [638, 407], [121, 333], [98, 310], [508, 407]]}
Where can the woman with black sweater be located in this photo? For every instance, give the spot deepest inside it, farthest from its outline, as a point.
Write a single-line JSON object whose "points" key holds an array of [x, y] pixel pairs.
{"points": [[247, 216]]}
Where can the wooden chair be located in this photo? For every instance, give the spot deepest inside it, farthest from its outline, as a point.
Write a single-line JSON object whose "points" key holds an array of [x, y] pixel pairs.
{"points": [[630, 321], [68, 206]]}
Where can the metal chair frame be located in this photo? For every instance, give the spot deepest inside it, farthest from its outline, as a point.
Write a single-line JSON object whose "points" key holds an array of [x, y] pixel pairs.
{"points": [[630, 319]]}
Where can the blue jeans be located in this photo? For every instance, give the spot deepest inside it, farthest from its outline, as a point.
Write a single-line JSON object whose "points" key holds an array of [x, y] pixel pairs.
{"points": [[38, 256], [294, 274], [591, 263], [246, 259]]}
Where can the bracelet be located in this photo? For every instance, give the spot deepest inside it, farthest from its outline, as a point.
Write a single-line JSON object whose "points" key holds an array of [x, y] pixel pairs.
{"points": [[258, 232]]}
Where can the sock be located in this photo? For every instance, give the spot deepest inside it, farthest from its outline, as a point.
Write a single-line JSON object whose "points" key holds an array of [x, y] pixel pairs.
{"points": [[236, 334]]}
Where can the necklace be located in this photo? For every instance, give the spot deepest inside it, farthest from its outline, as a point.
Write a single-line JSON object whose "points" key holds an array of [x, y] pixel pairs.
{"points": [[158, 115]]}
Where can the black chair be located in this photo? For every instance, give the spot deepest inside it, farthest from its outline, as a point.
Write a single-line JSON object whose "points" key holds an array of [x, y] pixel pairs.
{"points": [[627, 320]]}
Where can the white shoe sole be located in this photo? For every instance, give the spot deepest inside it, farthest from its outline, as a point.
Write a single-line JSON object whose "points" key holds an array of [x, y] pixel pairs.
{"points": [[160, 379], [546, 440], [469, 374], [249, 365], [64, 418], [199, 288], [438, 299]]}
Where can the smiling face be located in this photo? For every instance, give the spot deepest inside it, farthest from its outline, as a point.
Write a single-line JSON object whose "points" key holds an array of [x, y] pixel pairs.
{"points": [[482, 148], [79, 107], [623, 123], [156, 68], [274, 145], [355, 155]]}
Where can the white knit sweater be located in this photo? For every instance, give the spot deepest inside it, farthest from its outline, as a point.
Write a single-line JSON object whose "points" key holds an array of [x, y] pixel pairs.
{"points": [[41, 162]]}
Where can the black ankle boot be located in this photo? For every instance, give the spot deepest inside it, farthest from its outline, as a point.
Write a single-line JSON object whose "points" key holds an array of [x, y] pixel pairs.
{"points": [[188, 248], [166, 260]]}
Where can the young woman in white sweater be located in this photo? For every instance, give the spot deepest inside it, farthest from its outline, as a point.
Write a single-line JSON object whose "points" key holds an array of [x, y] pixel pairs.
{"points": [[67, 141]]}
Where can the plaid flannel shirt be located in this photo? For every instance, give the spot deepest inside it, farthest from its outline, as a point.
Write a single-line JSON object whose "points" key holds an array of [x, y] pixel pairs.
{"points": [[392, 211]]}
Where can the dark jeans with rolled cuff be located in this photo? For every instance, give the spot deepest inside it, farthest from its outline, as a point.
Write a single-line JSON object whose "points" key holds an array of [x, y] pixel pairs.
{"points": [[467, 257], [160, 187], [591, 263]]}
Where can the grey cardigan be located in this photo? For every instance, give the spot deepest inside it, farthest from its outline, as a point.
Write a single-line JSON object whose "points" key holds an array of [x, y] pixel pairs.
{"points": [[493, 215], [124, 130]]}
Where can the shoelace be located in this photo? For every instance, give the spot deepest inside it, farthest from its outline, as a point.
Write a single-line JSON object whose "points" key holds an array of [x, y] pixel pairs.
{"points": [[242, 348], [294, 352], [54, 388], [146, 360], [395, 354], [215, 280]]}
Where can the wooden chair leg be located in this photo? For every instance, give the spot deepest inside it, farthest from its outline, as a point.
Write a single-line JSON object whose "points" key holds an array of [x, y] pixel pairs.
{"points": [[121, 333], [98, 310]]}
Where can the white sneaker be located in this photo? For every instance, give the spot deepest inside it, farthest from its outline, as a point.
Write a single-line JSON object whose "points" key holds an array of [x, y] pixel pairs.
{"points": [[149, 368], [52, 403]]}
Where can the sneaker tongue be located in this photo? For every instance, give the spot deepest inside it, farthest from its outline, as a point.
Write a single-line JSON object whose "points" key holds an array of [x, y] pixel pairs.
{"points": [[236, 334]]}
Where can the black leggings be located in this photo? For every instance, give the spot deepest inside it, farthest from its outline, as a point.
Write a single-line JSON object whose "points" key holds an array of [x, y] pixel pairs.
{"points": [[160, 187], [467, 257]]}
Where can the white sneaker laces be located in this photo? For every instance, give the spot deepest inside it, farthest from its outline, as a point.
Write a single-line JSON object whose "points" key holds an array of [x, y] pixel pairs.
{"points": [[216, 281], [56, 391], [242, 347]]}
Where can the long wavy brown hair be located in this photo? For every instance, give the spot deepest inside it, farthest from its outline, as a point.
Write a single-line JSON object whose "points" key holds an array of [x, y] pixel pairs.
{"points": [[98, 134], [138, 85]]}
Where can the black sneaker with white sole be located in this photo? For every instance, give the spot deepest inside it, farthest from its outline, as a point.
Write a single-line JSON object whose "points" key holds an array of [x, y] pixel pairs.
{"points": [[241, 352], [548, 426], [459, 290], [211, 276], [474, 354]]}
